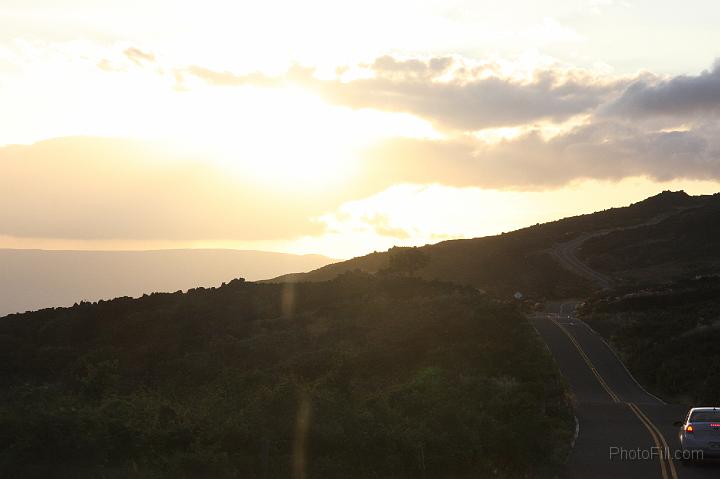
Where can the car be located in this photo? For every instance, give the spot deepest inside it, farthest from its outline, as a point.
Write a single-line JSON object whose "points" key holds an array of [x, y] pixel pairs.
{"points": [[700, 433]]}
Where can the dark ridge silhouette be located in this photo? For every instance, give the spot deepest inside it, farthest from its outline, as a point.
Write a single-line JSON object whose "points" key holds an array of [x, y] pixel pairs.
{"points": [[523, 261], [681, 246], [34, 279]]}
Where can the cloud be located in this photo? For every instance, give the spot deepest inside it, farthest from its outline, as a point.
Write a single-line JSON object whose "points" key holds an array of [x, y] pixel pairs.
{"points": [[226, 78], [603, 150], [467, 106], [457, 95], [113, 189], [101, 189], [413, 68], [602, 147], [129, 57], [448, 92], [382, 227], [461, 97], [138, 56], [678, 96]]}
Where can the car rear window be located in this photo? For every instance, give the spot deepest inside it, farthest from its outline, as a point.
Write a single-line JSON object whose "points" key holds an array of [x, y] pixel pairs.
{"points": [[705, 416]]}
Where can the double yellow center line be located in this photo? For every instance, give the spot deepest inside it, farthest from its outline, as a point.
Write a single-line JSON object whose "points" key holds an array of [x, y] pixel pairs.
{"points": [[589, 363], [667, 467], [665, 457]]}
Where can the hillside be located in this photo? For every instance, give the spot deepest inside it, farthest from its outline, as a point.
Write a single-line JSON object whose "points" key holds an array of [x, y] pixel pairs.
{"points": [[34, 279], [361, 376], [667, 334], [681, 246], [521, 260]]}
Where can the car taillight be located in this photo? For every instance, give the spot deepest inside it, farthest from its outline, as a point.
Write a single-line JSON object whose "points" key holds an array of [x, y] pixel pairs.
{"points": [[689, 428]]}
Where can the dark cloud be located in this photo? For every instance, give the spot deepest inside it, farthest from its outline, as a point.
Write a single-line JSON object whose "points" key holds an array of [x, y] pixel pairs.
{"points": [[605, 150], [678, 96], [469, 103]]}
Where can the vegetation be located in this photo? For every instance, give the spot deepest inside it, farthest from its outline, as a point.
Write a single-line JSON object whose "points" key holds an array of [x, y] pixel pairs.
{"points": [[406, 261], [360, 376], [667, 334], [679, 247], [500, 265]]}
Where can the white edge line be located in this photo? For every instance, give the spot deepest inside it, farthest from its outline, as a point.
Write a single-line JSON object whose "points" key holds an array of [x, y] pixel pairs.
{"points": [[617, 356], [574, 440]]}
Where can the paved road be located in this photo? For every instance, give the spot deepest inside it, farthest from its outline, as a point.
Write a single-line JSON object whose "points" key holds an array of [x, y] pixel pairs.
{"points": [[613, 411], [566, 253]]}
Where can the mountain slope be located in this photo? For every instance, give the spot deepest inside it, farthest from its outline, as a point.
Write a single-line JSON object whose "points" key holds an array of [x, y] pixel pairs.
{"points": [[521, 260], [666, 333], [34, 279], [682, 245]]}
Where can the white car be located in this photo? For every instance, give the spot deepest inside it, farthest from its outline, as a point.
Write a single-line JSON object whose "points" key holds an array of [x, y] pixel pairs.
{"points": [[700, 432]]}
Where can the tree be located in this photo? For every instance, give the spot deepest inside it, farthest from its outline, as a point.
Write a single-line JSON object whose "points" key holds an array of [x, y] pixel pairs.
{"points": [[406, 261]]}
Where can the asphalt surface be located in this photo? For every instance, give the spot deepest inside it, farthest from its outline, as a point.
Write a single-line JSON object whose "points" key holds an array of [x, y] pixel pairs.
{"points": [[623, 430], [566, 253]]}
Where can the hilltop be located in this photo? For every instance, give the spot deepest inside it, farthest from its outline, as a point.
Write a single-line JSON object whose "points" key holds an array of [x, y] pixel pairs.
{"points": [[524, 260], [680, 246]]}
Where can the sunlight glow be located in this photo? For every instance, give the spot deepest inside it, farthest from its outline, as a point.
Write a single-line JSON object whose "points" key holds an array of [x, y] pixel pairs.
{"points": [[278, 136], [288, 137], [288, 107], [414, 215]]}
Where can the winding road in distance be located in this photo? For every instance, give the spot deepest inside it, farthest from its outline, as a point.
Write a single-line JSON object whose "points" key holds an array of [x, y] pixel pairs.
{"points": [[614, 412], [566, 253]]}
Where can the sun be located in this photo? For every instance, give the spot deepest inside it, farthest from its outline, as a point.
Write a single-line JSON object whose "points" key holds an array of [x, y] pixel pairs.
{"points": [[277, 137], [286, 137]]}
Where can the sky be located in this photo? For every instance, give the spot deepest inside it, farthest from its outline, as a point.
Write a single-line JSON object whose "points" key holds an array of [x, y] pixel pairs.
{"points": [[342, 128]]}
